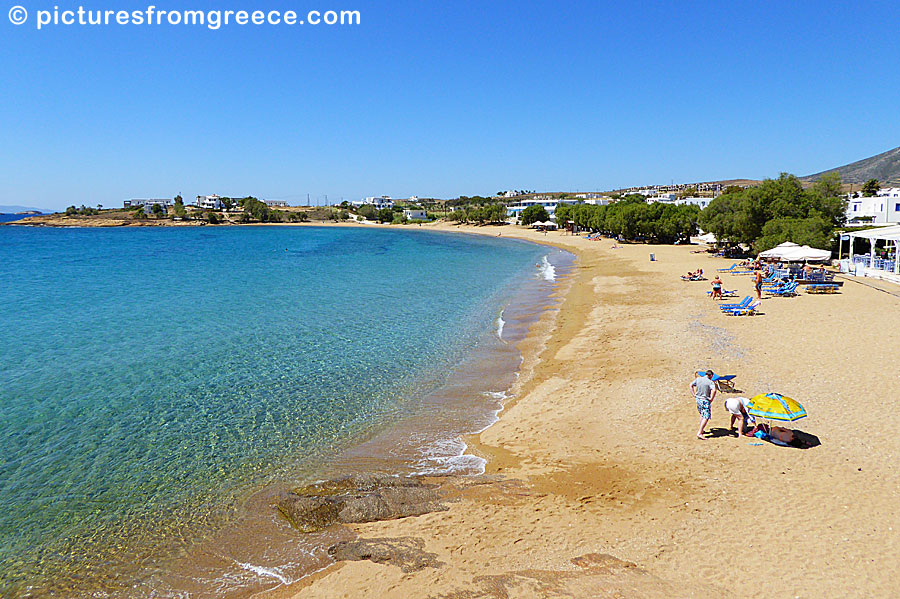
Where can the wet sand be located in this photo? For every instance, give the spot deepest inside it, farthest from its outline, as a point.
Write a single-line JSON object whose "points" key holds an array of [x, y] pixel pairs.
{"points": [[596, 485]]}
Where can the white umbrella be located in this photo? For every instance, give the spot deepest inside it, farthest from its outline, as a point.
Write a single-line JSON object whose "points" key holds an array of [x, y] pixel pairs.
{"points": [[806, 254], [779, 252]]}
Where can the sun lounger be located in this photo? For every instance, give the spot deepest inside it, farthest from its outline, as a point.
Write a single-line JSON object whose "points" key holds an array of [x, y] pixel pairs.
{"points": [[745, 311], [732, 293], [787, 290], [729, 269], [721, 380], [822, 288], [743, 304]]}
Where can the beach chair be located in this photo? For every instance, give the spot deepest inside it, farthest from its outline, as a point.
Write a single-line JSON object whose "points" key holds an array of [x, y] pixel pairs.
{"points": [[749, 310], [722, 381], [822, 288], [732, 293], [729, 269], [742, 304], [788, 290]]}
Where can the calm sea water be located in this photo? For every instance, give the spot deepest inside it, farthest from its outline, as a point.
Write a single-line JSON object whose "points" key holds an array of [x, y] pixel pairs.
{"points": [[152, 377]]}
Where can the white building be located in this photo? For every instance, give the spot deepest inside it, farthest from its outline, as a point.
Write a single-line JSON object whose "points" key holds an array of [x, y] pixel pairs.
{"points": [[883, 208], [276, 203], [415, 215], [549, 204], [701, 202], [211, 202], [379, 202], [148, 204]]}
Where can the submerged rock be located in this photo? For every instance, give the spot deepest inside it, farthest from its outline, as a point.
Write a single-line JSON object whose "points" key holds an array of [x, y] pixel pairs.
{"points": [[407, 553], [359, 498]]}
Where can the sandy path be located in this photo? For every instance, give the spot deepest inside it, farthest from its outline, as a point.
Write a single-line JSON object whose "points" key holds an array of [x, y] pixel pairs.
{"points": [[605, 492]]}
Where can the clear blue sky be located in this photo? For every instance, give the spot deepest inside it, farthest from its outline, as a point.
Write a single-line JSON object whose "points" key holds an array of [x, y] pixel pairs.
{"points": [[442, 99]]}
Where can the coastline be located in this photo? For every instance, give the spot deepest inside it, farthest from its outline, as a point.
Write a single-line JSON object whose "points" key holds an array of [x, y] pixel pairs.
{"points": [[534, 251], [595, 485], [434, 441]]}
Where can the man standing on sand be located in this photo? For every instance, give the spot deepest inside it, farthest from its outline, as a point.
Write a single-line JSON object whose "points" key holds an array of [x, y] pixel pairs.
{"points": [[758, 283], [704, 391]]}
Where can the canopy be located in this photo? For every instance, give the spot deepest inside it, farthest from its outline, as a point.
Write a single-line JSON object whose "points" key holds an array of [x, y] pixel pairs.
{"points": [[778, 251], [791, 252], [806, 254], [889, 233], [707, 238], [775, 406]]}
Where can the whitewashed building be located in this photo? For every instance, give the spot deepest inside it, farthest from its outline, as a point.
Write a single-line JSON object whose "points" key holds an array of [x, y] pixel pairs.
{"points": [[549, 204], [883, 208], [211, 202], [701, 202], [415, 215], [379, 202], [276, 203], [148, 204]]}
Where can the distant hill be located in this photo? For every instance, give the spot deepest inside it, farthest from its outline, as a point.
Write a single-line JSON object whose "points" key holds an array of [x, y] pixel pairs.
{"points": [[18, 209], [884, 167]]}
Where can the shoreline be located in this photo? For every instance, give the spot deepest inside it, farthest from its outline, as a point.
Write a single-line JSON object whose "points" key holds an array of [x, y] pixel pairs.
{"points": [[470, 391], [504, 297], [595, 485]]}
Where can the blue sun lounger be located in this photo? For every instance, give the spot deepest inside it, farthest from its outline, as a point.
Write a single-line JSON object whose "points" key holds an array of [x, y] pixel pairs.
{"points": [[789, 289], [726, 293], [721, 380], [729, 269], [743, 304]]}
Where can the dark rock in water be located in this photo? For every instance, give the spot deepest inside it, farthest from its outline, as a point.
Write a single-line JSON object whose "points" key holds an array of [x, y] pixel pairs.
{"points": [[407, 553], [360, 498]]}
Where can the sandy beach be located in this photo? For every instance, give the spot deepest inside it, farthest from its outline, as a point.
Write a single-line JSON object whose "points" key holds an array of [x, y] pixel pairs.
{"points": [[596, 485]]}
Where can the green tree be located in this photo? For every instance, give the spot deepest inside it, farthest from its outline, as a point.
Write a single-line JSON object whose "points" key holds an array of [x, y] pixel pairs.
{"points": [[367, 211], [179, 210], [742, 216], [71, 211], [157, 210], [385, 215], [212, 217], [533, 214], [870, 188]]}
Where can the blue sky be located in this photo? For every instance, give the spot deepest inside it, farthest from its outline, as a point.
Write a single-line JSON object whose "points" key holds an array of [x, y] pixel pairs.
{"points": [[442, 99]]}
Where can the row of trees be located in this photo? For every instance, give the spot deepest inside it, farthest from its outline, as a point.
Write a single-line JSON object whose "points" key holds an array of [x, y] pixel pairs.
{"points": [[778, 210], [83, 211], [486, 213], [633, 218]]}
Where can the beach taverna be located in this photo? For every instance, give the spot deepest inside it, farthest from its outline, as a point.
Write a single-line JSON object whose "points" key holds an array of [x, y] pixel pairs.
{"points": [[869, 265]]}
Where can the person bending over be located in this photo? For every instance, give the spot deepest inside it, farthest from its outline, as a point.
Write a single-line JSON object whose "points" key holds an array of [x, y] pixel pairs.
{"points": [[737, 407]]}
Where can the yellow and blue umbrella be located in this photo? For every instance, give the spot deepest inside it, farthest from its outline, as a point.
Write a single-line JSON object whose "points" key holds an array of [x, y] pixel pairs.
{"points": [[775, 406]]}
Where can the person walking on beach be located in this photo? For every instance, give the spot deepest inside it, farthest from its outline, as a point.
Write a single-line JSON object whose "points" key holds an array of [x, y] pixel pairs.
{"points": [[758, 282], [704, 391], [717, 288]]}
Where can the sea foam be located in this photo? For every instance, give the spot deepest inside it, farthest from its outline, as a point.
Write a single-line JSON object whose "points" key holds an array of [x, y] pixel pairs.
{"points": [[546, 270]]}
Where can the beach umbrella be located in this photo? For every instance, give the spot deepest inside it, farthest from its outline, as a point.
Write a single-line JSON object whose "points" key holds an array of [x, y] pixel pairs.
{"points": [[779, 251], [805, 254], [774, 406]]}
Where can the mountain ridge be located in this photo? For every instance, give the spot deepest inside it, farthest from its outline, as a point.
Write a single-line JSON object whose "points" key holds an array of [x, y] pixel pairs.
{"points": [[885, 167]]}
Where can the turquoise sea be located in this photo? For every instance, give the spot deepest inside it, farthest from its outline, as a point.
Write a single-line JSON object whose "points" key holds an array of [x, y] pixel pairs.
{"points": [[153, 379]]}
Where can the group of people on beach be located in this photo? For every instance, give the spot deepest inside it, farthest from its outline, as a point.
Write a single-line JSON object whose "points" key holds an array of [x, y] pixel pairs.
{"points": [[693, 275], [704, 390]]}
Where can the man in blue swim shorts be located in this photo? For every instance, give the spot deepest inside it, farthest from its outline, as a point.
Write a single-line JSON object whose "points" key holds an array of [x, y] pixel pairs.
{"points": [[704, 391]]}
